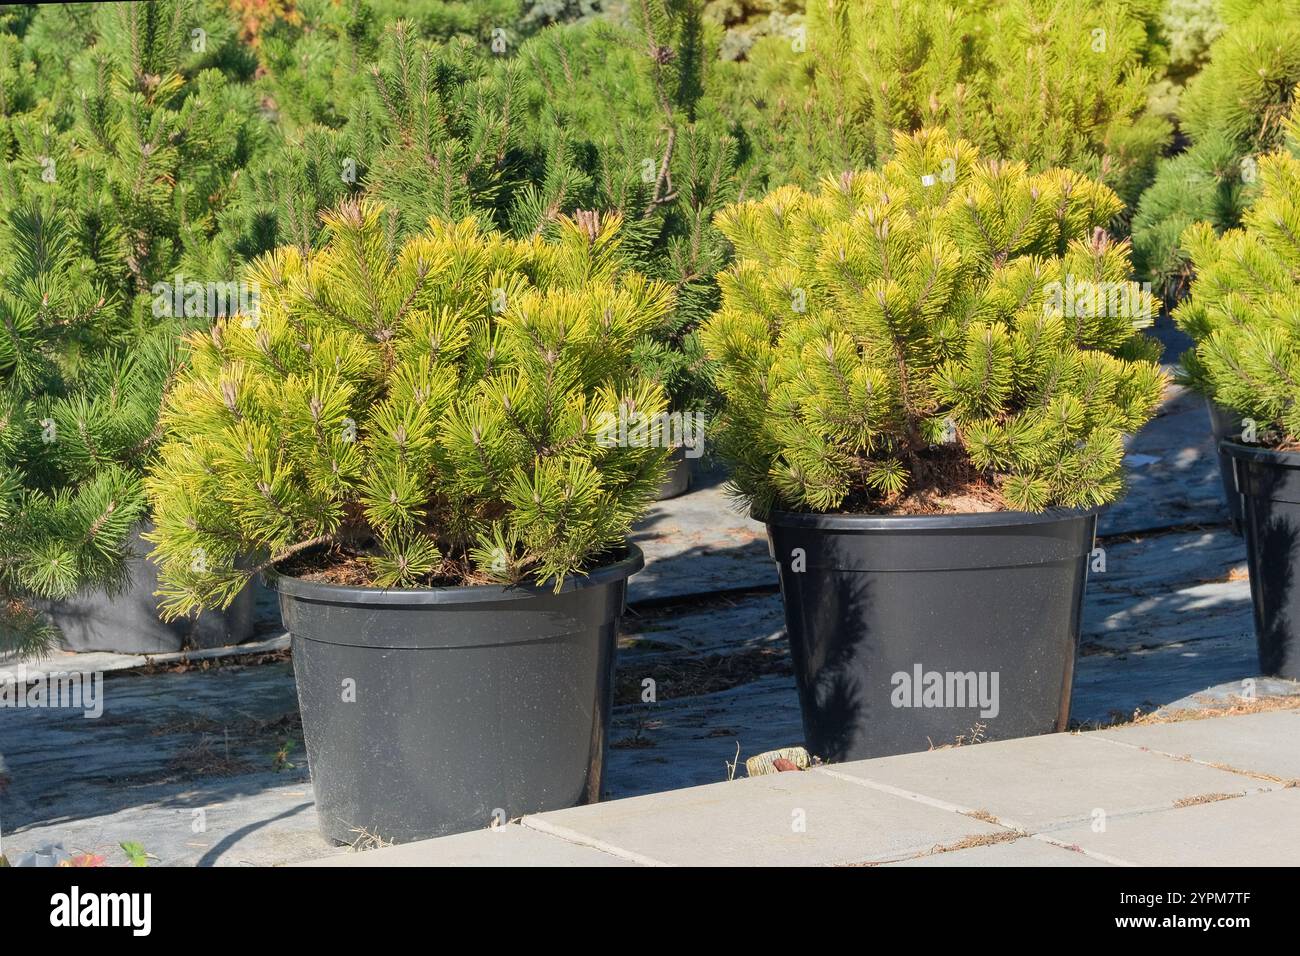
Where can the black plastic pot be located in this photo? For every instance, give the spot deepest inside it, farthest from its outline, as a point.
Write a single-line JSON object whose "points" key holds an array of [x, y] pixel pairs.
{"points": [[128, 622], [876, 606], [1226, 426], [678, 481], [436, 711], [1269, 482]]}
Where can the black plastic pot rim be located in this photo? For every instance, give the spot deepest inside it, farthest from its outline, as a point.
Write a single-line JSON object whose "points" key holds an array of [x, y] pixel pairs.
{"points": [[1267, 456], [940, 522], [633, 562]]}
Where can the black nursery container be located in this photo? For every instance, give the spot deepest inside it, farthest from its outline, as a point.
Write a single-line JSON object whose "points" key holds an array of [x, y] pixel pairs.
{"points": [[129, 622], [1269, 482], [436, 711], [912, 632], [1226, 426], [678, 480]]}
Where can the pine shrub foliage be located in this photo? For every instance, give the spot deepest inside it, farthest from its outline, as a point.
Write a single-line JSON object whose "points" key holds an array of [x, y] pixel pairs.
{"points": [[645, 135], [874, 325], [1189, 27], [581, 116], [76, 416], [1232, 111], [112, 182], [1046, 82], [1243, 310], [143, 154], [433, 406]]}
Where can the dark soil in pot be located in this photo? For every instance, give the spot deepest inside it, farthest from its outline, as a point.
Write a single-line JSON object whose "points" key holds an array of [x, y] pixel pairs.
{"points": [[1269, 482], [1226, 426], [916, 632], [128, 622], [433, 711]]}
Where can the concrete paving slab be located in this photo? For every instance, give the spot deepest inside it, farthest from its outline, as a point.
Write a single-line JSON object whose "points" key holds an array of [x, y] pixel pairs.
{"points": [[787, 819], [511, 845], [1023, 852], [1040, 783], [917, 811], [1266, 743], [1261, 829]]}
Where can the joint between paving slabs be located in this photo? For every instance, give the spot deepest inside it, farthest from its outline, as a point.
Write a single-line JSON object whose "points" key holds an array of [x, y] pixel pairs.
{"points": [[917, 797], [1075, 848], [1012, 831], [1015, 830], [1273, 781], [577, 839]]}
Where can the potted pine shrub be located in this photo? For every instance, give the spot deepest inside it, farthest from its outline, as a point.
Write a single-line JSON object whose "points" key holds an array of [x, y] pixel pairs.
{"points": [[581, 116], [1230, 114], [413, 440], [114, 184], [1242, 315], [76, 413], [927, 374]]}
